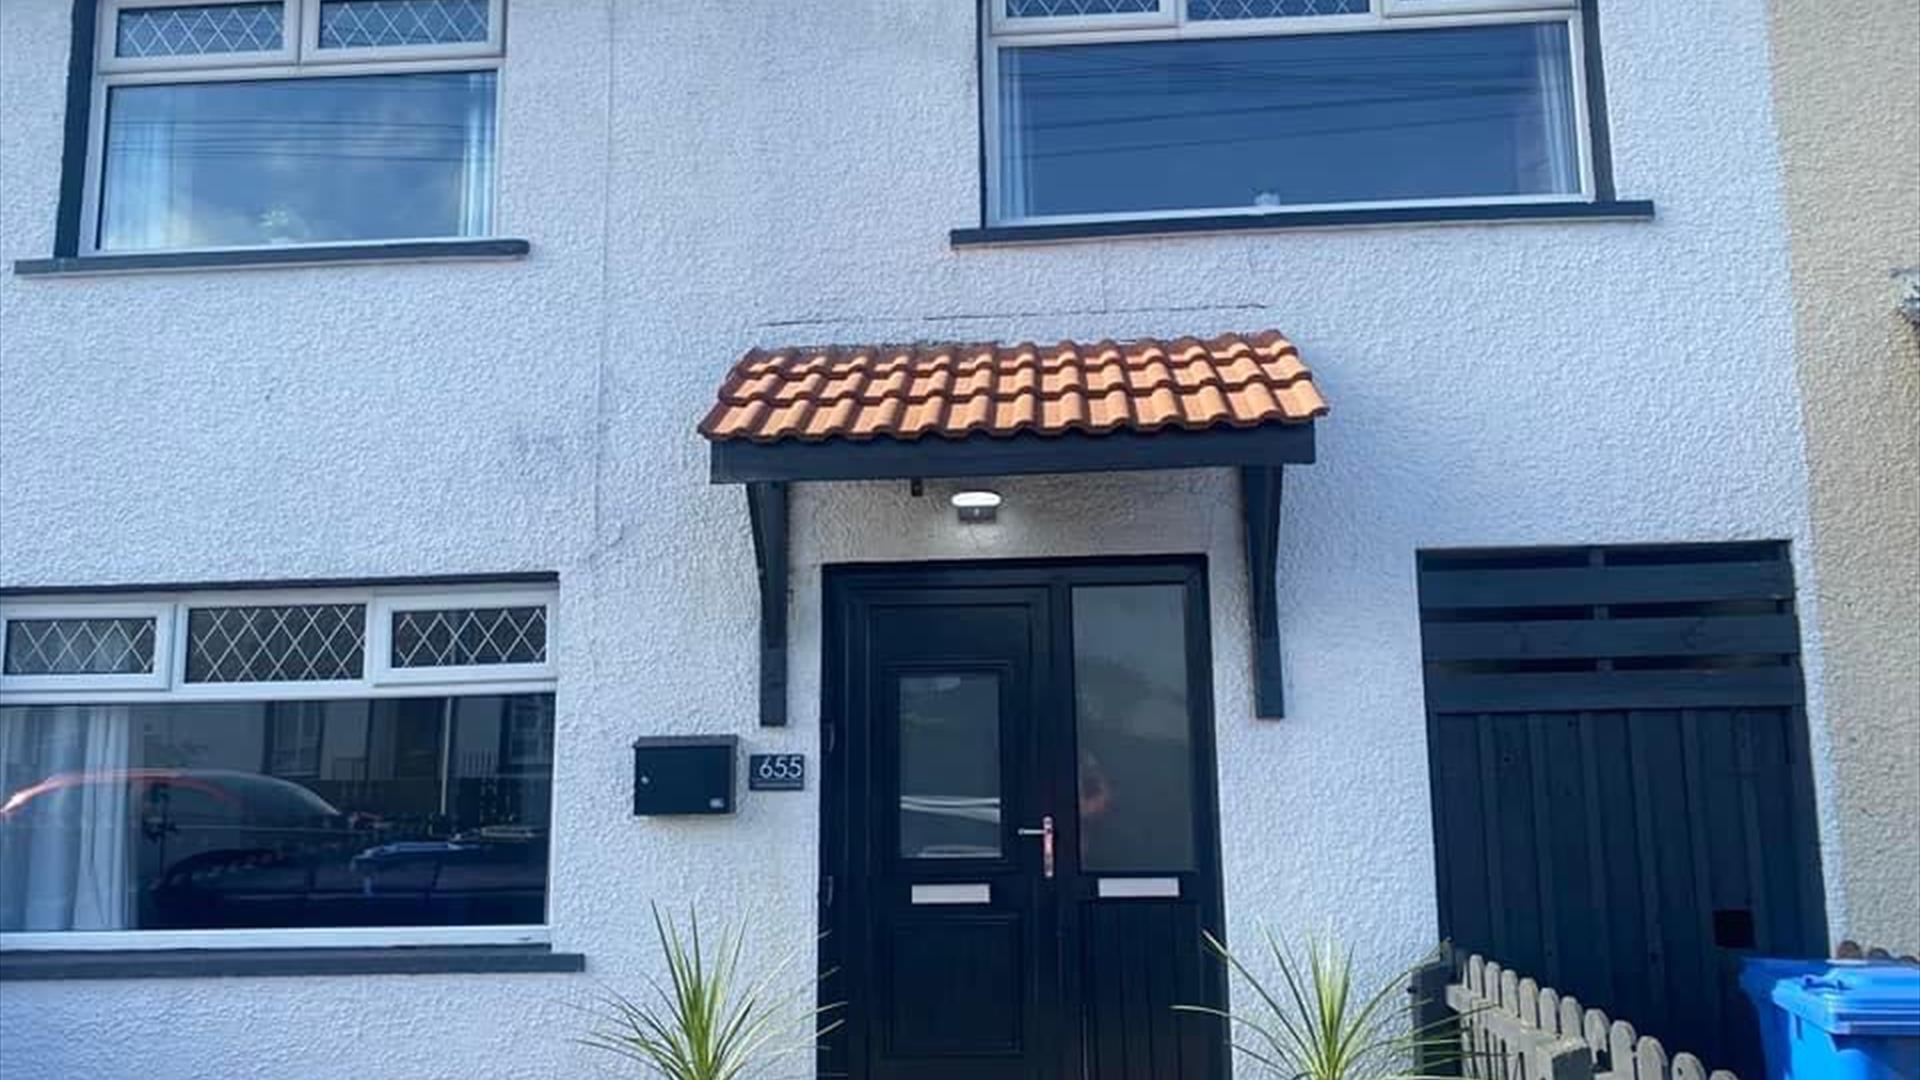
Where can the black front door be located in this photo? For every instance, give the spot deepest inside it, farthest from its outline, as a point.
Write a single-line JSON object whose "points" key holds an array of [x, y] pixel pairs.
{"points": [[1020, 851]]}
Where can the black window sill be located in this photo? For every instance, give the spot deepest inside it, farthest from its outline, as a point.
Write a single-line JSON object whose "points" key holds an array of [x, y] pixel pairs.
{"points": [[302, 255], [234, 963], [1632, 210]]}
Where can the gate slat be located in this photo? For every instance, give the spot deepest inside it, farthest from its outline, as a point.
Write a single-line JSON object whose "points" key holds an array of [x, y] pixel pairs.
{"points": [[1577, 586], [1574, 690], [1562, 639], [1697, 795]]}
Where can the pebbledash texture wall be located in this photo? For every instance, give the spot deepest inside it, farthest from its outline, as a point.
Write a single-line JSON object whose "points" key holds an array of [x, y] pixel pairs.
{"points": [[699, 178], [1848, 96]]}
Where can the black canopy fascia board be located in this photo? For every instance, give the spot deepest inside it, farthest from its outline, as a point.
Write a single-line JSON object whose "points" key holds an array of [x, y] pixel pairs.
{"points": [[1259, 454], [741, 462]]}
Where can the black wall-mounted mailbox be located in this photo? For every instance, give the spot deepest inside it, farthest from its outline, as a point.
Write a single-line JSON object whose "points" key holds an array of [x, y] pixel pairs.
{"points": [[684, 774]]}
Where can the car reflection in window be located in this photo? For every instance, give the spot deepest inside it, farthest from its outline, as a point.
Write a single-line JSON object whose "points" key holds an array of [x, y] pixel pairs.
{"points": [[220, 848]]}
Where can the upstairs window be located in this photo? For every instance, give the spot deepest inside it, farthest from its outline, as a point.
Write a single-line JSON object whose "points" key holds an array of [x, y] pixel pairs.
{"points": [[1113, 109], [272, 122]]}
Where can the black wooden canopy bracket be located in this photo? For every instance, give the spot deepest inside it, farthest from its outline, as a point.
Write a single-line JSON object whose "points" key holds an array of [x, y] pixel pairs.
{"points": [[1260, 489], [767, 514]]}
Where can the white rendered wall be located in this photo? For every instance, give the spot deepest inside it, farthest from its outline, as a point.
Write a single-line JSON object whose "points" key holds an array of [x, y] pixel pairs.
{"points": [[700, 178]]}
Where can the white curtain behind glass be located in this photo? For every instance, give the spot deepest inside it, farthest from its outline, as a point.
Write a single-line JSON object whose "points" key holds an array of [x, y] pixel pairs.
{"points": [[1015, 178], [66, 852], [476, 203], [1555, 78], [137, 192]]}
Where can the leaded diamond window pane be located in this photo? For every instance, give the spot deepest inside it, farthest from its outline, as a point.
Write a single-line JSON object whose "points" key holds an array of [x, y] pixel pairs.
{"points": [[1049, 9], [291, 643], [1201, 10], [80, 646], [361, 24], [199, 30], [461, 637]]}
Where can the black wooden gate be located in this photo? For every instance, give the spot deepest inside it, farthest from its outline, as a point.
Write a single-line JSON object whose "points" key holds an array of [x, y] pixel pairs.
{"points": [[1622, 798]]}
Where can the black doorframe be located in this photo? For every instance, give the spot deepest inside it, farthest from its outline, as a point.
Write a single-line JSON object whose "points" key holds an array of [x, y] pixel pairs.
{"points": [[841, 585]]}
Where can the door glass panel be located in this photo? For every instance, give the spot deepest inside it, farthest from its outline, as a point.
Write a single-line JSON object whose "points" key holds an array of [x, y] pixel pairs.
{"points": [[1135, 732], [950, 766]]}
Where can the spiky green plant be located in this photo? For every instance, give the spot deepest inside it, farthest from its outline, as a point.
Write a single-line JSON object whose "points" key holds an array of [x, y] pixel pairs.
{"points": [[706, 1022], [1310, 1020]]}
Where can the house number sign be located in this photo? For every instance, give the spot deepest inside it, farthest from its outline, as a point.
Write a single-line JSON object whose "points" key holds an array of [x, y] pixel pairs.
{"points": [[777, 772]]}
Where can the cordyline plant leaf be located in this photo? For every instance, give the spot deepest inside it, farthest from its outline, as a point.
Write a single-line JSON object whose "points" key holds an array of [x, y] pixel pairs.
{"points": [[1308, 1019], [705, 1022]]}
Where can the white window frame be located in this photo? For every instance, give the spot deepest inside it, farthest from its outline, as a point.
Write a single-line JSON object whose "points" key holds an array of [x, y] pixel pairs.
{"points": [[380, 669], [300, 57], [169, 610], [1383, 16], [311, 52], [108, 35], [96, 684], [1165, 14], [168, 681], [282, 690]]}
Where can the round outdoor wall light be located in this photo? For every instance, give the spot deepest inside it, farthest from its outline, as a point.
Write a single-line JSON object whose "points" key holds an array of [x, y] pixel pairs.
{"points": [[976, 507]]}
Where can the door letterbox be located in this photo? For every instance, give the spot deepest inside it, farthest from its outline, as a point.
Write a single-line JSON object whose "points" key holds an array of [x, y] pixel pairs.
{"points": [[684, 774]]}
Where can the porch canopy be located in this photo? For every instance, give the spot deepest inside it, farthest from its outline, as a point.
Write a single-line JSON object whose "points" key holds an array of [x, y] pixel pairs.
{"points": [[950, 410]]}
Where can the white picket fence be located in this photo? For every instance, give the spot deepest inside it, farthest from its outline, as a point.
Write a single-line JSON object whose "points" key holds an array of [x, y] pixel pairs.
{"points": [[1515, 1029]]}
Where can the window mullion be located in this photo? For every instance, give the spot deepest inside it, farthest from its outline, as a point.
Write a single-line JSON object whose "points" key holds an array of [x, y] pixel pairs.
{"points": [[307, 38], [177, 648]]}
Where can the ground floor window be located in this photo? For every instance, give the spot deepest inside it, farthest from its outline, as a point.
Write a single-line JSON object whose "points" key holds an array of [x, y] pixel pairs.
{"points": [[222, 763], [223, 815]]}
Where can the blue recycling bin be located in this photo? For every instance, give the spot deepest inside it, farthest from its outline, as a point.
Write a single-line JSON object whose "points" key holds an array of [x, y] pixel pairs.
{"points": [[1836, 1019]]}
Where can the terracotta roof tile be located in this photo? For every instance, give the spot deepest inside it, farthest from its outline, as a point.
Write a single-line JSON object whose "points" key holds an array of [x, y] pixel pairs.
{"points": [[1063, 413], [1105, 377], [1205, 406], [954, 390], [1110, 410], [878, 418], [975, 379], [1061, 381], [889, 383], [1020, 381]]}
